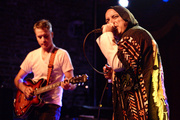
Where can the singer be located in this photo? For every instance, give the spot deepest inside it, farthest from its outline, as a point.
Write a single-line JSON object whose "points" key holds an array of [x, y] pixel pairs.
{"points": [[134, 67]]}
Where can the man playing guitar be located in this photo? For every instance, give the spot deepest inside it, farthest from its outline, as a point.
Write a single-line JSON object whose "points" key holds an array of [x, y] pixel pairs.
{"points": [[36, 62]]}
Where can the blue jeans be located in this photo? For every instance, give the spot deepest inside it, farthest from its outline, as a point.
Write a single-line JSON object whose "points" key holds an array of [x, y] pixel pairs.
{"points": [[46, 112]]}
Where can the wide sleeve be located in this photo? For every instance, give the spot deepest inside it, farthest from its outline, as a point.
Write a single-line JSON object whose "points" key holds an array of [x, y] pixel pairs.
{"points": [[158, 89], [109, 49]]}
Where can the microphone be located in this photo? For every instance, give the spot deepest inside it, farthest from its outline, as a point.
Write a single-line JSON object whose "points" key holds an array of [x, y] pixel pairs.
{"points": [[98, 30]]}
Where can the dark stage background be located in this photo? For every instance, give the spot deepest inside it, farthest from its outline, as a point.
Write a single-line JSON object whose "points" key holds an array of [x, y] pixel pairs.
{"points": [[72, 20]]}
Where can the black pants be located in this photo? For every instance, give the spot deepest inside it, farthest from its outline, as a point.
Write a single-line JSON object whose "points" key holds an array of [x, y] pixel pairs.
{"points": [[46, 112]]}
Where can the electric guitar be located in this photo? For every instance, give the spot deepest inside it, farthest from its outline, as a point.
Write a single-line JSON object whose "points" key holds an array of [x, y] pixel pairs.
{"points": [[23, 106]]}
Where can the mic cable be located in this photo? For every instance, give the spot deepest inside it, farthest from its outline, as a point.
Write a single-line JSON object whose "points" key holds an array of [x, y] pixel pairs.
{"points": [[93, 31]]}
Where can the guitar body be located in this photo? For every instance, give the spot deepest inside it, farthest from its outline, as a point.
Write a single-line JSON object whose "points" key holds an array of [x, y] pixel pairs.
{"points": [[22, 105]]}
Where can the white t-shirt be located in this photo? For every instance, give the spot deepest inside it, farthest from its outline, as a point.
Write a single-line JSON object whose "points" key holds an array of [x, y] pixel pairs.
{"points": [[39, 67]]}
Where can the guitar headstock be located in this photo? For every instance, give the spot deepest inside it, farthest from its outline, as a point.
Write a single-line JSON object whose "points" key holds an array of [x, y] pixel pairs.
{"points": [[79, 79]]}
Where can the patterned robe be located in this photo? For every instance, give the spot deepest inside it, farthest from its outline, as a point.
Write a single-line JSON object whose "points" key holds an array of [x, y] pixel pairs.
{"points": [[138, 91]]}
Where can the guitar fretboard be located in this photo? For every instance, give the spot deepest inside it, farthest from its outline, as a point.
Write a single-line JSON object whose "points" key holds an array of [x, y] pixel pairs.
{"points": [[74, 80], [46, 88]]}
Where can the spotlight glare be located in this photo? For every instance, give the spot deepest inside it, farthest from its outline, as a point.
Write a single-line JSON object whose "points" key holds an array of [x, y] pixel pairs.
{"points": [[165, 0], [124, 3]]}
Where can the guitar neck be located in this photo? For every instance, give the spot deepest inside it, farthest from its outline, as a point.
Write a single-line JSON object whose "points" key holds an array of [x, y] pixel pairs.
{"points": [[46, 88], [73, 80]]}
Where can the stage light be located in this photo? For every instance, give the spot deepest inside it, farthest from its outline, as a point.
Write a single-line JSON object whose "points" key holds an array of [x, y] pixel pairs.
{"points": [[165, 0], [124, 3]]}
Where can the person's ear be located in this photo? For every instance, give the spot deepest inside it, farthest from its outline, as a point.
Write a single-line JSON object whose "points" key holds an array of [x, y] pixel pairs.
{"points": [[126, 24]]}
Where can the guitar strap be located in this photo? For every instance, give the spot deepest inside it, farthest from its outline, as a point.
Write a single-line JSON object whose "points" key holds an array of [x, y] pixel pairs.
{"points": [[50, 66]]}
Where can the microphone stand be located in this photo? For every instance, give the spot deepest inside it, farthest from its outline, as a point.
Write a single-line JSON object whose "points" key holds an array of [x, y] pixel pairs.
{"points": [[100, 105]]}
